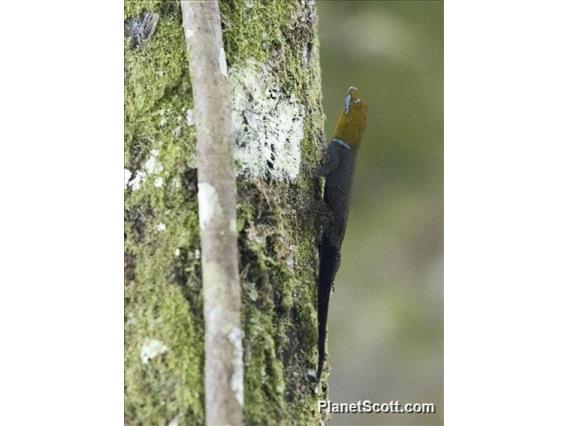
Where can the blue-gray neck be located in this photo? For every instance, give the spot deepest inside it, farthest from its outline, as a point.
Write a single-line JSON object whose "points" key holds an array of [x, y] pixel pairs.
{"points": [[340, 142]]}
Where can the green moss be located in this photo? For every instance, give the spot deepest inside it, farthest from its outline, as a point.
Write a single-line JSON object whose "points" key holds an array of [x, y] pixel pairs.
{"points": [[163, 302], [134, 8], [279, 296], [170, 384], [162, 297], [245, 30], [157, 86]]}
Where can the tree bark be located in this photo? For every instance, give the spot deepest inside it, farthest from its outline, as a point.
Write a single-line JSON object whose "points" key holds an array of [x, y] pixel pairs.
{"points": [[273, 68]]}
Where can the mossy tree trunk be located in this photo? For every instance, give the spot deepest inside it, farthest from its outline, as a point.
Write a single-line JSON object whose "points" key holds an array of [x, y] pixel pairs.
{"points": [[273, 66]]}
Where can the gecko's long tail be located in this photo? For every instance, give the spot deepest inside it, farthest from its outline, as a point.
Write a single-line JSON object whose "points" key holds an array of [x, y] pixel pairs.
{"points": [[329, 264]]}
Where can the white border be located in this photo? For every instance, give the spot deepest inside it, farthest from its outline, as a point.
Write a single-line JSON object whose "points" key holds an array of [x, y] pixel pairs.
{"points": [[61, 232], [506, 213]]}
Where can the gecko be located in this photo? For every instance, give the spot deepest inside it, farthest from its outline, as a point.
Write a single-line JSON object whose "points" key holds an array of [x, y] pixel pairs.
{"points": [[338, 168]]}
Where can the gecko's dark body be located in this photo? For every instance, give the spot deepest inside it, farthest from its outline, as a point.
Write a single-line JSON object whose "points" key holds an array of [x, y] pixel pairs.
{"points": [[338, 168]]}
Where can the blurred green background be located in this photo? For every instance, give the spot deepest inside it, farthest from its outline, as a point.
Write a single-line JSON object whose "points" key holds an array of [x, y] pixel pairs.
{"points": [[386, 315]]}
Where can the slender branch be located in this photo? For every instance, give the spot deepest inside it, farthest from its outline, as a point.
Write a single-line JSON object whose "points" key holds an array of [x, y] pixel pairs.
{"points": [[224, 375]]}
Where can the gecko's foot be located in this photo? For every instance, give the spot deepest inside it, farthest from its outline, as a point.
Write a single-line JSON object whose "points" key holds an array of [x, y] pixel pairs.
{"points": [[318, 172], [318, 216], [322, 212], [320, 388]]}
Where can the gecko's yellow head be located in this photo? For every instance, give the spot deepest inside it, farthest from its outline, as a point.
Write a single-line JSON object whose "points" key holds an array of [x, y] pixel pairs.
{"points": [[352, 120]]}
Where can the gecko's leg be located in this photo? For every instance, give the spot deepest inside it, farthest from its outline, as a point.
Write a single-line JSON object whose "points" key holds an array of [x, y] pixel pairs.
{"points": [[330, 162], [323, 218]]}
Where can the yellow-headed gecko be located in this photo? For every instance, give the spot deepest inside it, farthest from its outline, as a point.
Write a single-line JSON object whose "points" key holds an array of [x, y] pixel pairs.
{"points": [[337, 167]]}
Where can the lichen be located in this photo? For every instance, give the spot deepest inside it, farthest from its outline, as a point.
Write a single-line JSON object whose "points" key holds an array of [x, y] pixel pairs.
{"points": [[236, 338], [152, 349], [141, 28], [127, 176], [208, 204], [269, 124]]}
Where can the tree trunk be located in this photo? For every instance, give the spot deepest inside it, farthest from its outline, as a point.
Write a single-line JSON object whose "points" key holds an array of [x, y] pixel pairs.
{"points": [[273, 67]]}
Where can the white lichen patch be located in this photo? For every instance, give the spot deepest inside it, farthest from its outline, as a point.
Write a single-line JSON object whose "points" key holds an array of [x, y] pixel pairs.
{"points": [[290, 262], [151, 349], [189, 118], [237, 380], [152, 165], [137, 180], [127, 175], [269, 124], [209, 206], [222, 62], [305, 56]]}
